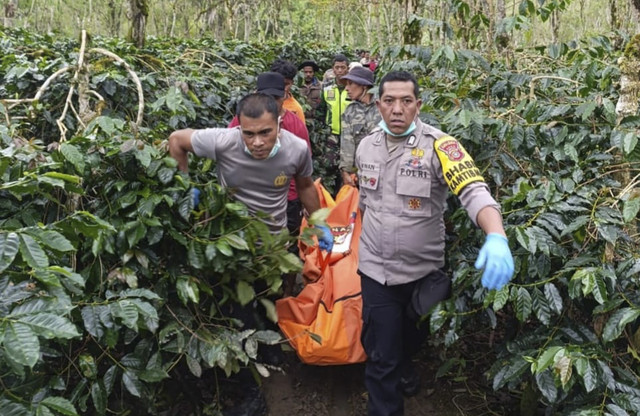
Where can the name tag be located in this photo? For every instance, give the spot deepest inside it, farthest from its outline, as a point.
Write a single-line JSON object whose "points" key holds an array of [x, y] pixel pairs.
{"points": [[369, 175]]}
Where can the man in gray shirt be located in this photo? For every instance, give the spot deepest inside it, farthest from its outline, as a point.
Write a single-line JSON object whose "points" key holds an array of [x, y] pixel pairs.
{"points": [[256, 160]]}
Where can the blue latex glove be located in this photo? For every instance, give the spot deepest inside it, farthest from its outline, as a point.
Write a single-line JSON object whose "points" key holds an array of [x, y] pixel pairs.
{"points": [[195, 197], [496, 260], [325, 240]]}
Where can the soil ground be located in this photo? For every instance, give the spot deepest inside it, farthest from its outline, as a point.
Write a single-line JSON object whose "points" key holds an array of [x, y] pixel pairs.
{"points": [[302, 389]]}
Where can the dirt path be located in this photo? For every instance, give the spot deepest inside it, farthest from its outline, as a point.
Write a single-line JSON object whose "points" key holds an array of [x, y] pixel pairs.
{"points": [[339, 391]]}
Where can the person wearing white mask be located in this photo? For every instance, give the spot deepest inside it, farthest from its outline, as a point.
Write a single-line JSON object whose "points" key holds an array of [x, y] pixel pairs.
{"points": [[256, 159], [359, 119], [405, 170]]}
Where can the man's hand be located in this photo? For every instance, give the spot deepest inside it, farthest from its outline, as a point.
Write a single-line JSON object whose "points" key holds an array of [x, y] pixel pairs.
{"points": [[496, 260], [325, 240], [348, 178]]}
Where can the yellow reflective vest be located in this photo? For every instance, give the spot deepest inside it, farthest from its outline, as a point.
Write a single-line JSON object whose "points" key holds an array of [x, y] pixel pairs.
{"points": [[336, 104]]}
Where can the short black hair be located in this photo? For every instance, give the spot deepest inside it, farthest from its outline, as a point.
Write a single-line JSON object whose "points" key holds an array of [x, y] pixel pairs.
{"points": [[284, 68], [256, 104], [403, 76], [340, 58]]}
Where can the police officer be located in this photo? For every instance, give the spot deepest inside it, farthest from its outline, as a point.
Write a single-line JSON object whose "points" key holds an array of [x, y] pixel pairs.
{"points": [[358, 120], [404, 170]]}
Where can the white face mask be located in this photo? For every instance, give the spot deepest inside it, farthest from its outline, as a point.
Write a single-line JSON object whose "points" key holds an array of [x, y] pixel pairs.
{"points": [[276, 146], [407, 132]]}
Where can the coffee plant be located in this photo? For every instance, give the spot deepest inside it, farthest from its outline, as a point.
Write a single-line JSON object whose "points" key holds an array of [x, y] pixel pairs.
{"points": [[116, 293]]}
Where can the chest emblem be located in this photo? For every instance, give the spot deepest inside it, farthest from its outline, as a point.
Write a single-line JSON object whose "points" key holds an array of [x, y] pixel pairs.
{"points": [[417, 152], [414, 203], [415, 163], [280, 180], [452, 149]]}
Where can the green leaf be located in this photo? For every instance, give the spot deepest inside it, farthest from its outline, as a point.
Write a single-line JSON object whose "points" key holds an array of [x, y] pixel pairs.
{"points": [[501, 298], [236, 241], [99, 397], [73, 155], [21, 344], [127, 311], [153, 375], [32, 253], [50, 326], [59, 176], [270, 309], [60, 405], [588, 373], [194, 366], [630, 209], [553, 298], [541, 307], [618, 320], [195, 255], [10, 408], [110, 378], [523, 304], [149, 314], [547, 386], [548, 358], [9, 245], [53, 239], [245, 292], [132, 383], [251, 348], [616, 410], [91, 318], [608, 232], [629, 142], [188, 290], [267, 337], [224, 248]]}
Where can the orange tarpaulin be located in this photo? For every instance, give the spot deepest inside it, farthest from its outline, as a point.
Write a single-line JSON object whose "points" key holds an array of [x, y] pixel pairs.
{"points": [[323, 323]]}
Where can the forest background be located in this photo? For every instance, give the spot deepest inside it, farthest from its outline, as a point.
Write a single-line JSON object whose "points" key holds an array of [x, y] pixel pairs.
{"points": [[115, 291], [362, 24]]}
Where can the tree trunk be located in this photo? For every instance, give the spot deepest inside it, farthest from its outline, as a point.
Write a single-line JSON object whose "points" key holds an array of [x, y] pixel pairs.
{"points": [[613, 15], [139, 12], [555, 26], [629, 65], [412, 29]]}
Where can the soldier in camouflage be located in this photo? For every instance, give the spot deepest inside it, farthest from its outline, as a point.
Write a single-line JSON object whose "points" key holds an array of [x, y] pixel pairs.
{"points": [[358, 120]]}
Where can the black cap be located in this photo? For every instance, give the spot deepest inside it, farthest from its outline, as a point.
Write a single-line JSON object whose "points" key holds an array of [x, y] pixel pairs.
{"points": [[360, 75], [312, 64], [271, 83]]}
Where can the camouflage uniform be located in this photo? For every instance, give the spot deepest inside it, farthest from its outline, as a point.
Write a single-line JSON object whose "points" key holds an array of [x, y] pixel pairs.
{"points": [[358, 120]]}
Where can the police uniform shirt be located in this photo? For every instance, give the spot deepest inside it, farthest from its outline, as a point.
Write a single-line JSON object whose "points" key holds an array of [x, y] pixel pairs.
{"points": [[262, 185], [403, 195]]}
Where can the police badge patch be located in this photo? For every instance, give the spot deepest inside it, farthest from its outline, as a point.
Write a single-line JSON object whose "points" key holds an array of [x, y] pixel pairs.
{"points": [[452, 149], [415, 203]]}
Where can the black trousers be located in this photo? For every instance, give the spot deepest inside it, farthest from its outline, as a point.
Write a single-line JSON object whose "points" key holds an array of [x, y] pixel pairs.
{"points": [[390, 338], [294, 218]]}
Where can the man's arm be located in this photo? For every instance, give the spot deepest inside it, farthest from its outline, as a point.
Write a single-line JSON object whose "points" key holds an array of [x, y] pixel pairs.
{"points": [[180, 146], [347, 150], [307, 193], [490, 220]]}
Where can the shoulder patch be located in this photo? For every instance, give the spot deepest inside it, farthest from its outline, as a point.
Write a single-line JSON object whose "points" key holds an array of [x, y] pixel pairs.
{"points": [[458, 167]]}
